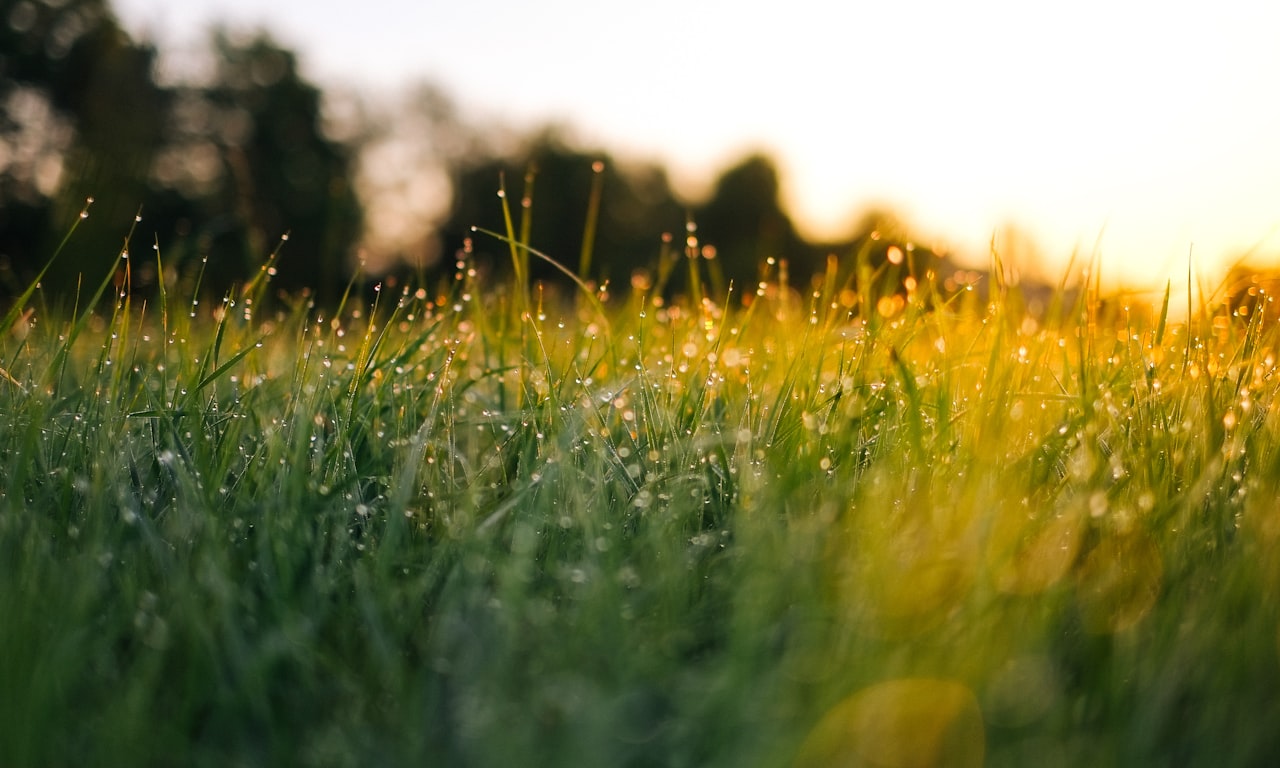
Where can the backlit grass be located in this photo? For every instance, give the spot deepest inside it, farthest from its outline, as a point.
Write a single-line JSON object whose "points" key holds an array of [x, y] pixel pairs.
{"points": [[476, 525]]}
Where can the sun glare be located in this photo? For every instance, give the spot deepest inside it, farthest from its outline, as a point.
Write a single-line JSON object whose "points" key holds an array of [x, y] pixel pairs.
{"points": [[1136, 132]]}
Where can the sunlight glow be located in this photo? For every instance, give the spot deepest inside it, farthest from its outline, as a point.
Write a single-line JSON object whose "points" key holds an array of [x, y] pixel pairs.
{"points": [[1141, 130]]}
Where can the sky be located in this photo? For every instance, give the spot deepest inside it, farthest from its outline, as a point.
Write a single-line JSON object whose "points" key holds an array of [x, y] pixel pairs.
{"points": [[1135, 130]]}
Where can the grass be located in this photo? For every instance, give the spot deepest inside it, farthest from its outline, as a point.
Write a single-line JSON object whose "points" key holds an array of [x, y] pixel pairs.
{"points": [[475, 526]]}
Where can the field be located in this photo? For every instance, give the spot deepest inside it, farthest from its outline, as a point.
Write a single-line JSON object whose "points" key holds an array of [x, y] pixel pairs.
{"points": [[479, 524]]}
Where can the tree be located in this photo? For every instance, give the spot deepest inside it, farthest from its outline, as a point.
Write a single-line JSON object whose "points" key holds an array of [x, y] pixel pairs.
{"points": [[553, 185], [220, 169], [745, 223], [248, 161], [80, 116]]}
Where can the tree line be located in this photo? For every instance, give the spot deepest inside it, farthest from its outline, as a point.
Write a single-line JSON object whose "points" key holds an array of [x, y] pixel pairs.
{"points": [[220, 167]]}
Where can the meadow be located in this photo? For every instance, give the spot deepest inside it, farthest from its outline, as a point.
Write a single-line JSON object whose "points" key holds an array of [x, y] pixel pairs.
{"points": [[486, 523]]}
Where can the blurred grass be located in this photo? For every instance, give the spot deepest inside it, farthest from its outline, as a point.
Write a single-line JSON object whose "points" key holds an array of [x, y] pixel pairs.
{"points": [[474, 525]]}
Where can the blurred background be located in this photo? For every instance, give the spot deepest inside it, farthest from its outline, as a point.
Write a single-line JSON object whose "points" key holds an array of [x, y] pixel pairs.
{"points": [[375, 133]]}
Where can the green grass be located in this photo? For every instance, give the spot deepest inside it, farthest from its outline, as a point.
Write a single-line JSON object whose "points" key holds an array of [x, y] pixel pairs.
{"points": [[476, 526]]}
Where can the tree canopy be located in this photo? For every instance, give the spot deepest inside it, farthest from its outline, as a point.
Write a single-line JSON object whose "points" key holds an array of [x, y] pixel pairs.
{"points": [[223, 166]]}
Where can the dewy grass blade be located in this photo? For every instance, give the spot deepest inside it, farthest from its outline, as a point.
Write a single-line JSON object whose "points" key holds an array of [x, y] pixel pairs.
{"points": [[593, 216], [20, 304], [707, 534], [229, 364], [915, 422]]}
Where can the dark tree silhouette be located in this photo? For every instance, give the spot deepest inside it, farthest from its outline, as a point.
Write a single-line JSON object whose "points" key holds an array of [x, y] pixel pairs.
{"points": [[80, 116], [224, 167], [221, 169], [636, 207], [248, 161], [745, 223]]}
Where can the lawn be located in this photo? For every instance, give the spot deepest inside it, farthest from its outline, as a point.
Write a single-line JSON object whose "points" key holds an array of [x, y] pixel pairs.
{"points": [[489, 523]]}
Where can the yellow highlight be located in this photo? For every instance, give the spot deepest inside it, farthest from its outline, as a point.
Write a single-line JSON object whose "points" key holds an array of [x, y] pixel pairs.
{"points": [[907, 573], [1028, 556], [907, 723]]}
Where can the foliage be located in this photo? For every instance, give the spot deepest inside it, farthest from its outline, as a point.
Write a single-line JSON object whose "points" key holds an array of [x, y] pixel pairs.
{"points": [[446, 527], [243, 154], [550, 187], [223, 164], [745, 223], [78, 112], [270, 170]]}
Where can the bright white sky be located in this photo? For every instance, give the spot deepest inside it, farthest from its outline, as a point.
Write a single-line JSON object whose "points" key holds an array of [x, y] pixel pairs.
{"points": [[1147, 127]]}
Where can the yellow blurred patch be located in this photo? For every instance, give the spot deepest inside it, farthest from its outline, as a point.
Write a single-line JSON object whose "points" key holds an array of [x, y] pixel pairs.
{"points": [[1028, 556], [908, 723], [910, 572]]}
